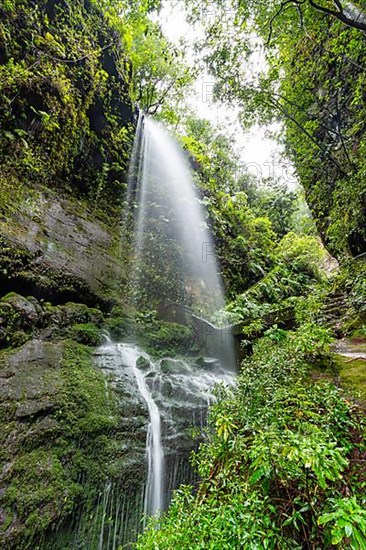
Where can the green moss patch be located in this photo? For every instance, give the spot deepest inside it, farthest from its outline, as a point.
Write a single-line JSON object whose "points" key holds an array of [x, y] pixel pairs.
{"points": [[58, 438], [352, 375]]}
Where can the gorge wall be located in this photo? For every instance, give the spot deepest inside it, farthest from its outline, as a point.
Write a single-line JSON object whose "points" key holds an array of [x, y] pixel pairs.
{"points": [[66, 122], [324, 112]]}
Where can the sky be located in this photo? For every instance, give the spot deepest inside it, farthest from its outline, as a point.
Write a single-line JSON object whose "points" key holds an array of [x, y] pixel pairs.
{"points": [[261, 154]]}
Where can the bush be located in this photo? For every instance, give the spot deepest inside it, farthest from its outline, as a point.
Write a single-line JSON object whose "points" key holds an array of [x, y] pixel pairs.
{"points": [[87, 334], [278, 452]]}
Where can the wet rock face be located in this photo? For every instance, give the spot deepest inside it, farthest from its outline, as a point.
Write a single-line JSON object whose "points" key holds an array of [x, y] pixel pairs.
{"points": [[65, 47], [62, 437], [28, 374], [51, 250], [29, 388], [23, 318], [181, 390]]}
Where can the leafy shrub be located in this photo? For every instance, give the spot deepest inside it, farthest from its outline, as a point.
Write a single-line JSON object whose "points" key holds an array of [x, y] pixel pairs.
{"points": [[87, 334], [347, 522], [277, 453]]}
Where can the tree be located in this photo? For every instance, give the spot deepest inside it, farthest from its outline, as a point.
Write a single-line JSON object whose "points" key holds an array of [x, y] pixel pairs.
{"points": [[314, 83], [159, 73], [347, 12]]}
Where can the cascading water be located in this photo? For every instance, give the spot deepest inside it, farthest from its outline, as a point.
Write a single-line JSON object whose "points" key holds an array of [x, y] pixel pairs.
{"points": [[155, 457], [165, 401], [172, 239], [173, 258]]}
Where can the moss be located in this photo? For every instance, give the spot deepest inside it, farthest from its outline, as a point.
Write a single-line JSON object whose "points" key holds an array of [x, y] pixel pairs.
{"points": [[120, 327], [160, 337], [87, 334], [73, 313], [42, 483], [22, 318], [352, 376], [155, 336], [63, 122]]}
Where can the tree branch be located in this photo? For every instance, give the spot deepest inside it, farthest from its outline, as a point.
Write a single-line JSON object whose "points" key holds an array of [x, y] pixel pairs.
{"points": [[354, 23], [282, 8], [284, 111]]}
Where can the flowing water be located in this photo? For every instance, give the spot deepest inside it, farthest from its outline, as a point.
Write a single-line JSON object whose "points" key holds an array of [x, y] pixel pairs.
{"points": [[173, 259], [169, 399], [174, 254], [164, 402], [154, 450]]}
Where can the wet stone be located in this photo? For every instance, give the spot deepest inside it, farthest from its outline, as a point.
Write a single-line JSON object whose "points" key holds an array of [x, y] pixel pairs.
{"points": [[34, 408], [173, 366], [142, 363]]}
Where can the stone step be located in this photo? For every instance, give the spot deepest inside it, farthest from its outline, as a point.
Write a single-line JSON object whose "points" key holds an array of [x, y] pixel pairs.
{"points": [[331, 305], [338, 311]]}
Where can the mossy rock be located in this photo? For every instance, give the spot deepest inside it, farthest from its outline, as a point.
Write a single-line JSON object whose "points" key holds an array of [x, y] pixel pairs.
{"points": [[58, 426], [87, 334], [74, 313], [22, 318], [120, 327], [143, 363], [350, 365], [161, 337], [171, 366], [19, 319]]}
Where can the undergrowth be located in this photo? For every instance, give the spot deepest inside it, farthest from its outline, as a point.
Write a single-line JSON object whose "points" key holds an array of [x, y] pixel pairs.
{"points": [[283, 462]]}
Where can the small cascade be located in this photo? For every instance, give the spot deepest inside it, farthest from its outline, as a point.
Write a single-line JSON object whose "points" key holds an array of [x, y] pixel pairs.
{"points": [[169, 399], [153, 503]]}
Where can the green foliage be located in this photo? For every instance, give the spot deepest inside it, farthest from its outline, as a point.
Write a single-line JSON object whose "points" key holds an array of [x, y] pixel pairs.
{"points": [[313, 83], [352, 281], [296, 273], [347, 522], [163, 338], [245, 242], [277, 457], [65, 105], [279, 204], [87, 334], [159, 75], [303, 252]]}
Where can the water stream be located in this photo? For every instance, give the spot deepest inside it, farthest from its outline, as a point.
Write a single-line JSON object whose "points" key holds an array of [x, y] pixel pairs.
{"points": [[174, 253], [172, 258], [164, 403], [169, 399], [153, 502]]}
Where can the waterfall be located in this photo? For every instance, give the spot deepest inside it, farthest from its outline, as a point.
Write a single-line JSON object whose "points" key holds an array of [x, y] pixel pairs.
{"points": [[174, 254], [153, 503], [163, 402]]}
